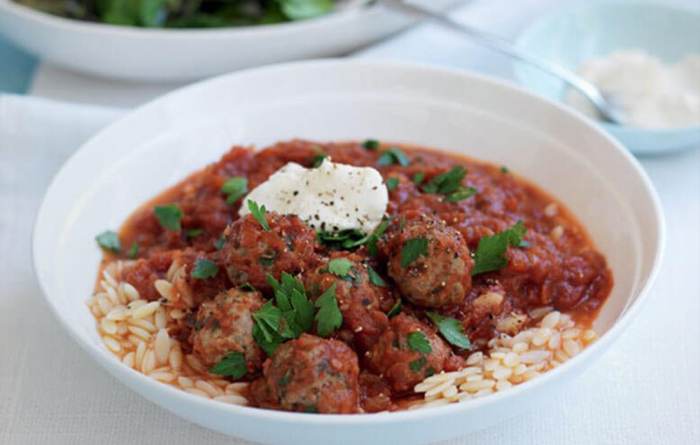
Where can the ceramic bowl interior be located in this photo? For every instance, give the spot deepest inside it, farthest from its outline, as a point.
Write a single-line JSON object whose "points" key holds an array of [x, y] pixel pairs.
{"points": [[597, 28], [160, 143]]}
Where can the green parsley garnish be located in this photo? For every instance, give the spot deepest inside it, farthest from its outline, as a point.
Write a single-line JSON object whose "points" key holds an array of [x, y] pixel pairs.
{"points": [[109, 240], [232, 365], [395, 309], [220, 242], [371, 144], [418, 178], [461, 194], [490, 254], [417, 364], [133, 251], [417, 341], [393, 155], [258, 213], [318, 160], [169, 216], [204, 268], [351, 239], [504, 169], [234, 188], [392, 183], [193, 233], [268, 329], [451, 329], [328, 318], [412, 249], [449, 184], [375, 278], [339, 267], [291, 299]]}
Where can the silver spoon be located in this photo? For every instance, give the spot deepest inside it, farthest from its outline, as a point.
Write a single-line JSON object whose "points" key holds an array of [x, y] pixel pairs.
{"points": [[604, 103]]}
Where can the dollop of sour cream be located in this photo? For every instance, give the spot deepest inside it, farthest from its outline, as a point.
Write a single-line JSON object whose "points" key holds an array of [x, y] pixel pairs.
{"points": [[331, 197], [653, 94]]}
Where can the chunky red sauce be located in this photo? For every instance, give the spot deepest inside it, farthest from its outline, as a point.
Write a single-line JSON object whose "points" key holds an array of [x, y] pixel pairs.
{"points": [[369, 364]]}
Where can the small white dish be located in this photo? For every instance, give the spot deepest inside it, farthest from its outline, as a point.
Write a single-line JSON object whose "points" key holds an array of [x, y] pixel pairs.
{"points": [[171, 55], [161, 142], [597, 28]]}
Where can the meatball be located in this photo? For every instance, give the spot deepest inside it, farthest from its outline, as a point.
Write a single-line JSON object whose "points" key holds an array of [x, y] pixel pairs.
{"points": [[251, 252], [440, 275], [310, 374], [224, 325], [359, 300], [405, 362]]}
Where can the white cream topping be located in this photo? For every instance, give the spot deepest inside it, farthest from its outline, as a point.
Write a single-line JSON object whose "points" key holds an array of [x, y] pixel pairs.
{"points": [[331, 197], [653, 94]]}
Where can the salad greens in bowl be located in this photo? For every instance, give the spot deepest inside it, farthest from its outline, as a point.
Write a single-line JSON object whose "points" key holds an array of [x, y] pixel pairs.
{"points": [[184, 13], [184, 40]]}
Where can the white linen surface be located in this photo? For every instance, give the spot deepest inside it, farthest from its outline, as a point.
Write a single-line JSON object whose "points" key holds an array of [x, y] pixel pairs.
{"points": [[645, 390]]}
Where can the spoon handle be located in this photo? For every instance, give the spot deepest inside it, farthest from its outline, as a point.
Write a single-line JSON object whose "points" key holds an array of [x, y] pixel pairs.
{"points": [[506, 47]]}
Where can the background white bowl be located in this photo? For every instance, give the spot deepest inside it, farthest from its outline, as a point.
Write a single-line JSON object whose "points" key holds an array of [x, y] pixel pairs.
{"points": [[160, 143], [179, 55]]}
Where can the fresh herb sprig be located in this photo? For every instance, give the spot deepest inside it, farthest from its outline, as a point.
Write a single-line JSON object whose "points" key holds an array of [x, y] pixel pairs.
{"points": [[234, 188], [449, 184], [490, 254], [451, 329], [231, 365]]}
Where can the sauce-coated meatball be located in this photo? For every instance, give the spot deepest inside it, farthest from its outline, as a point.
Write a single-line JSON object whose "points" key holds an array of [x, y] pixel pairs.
{"points": [[310, 374], [439, 276], [250, 252], [224, 325], [401, 361], [359, 300]]}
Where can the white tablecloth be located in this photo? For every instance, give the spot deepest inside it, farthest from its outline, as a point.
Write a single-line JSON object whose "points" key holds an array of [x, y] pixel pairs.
{"points": [[645, 390]]}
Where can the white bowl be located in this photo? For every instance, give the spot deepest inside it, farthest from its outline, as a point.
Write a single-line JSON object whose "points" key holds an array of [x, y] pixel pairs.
{"points": [[186, 54], [163, 141]]}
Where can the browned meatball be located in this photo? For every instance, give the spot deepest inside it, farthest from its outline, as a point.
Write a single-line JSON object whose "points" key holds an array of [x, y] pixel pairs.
{"points": [[224, 325], [399, 357], [310, 374], [440, 274], [359, 300], [250, 252]]}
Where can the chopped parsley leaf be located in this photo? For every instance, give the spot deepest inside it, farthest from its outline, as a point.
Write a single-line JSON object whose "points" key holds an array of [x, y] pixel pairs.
{"points": [[318, 160], [412, 249], [449, 184], [193, 233], [168, 216], [220, 242], [234, 188], [393, 155], [204, 268], [395, 309], [109, 240], [417, 364], [258, 213], [133, 251], [248, 288], [339, 267], [291, 299], [328, 318], [461, 194], [375, 278], [490, 254], [451, 329], [351, 239], [392, 183], [504, 169], [232, 365], [267, 326], [418, 178], [371, 144], [417, 341]]}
